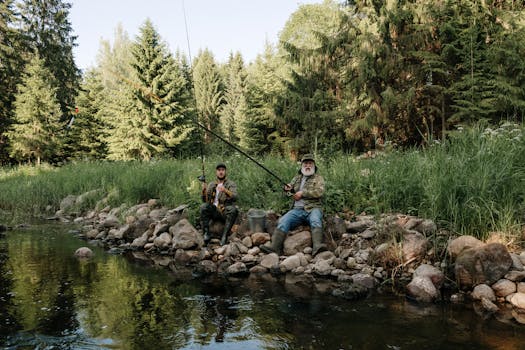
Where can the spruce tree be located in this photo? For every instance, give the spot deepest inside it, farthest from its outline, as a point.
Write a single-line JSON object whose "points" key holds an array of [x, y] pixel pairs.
{"points": [[47, 30], [233, 112], [150, 120], [11, 64], [208, 89], [36, 133]]}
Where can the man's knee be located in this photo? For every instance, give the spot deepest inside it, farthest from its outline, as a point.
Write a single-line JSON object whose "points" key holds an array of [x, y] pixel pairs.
{"points": [[231, 211], [316, 218]]}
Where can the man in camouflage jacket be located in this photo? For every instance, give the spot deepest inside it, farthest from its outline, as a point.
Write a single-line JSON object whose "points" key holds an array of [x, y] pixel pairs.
{"points": [[219, 204], [308, 189]]}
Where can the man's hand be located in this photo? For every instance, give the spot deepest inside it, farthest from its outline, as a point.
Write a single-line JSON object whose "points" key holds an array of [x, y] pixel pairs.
{"points": [[287, 188], [298, 195], [221, 188]]}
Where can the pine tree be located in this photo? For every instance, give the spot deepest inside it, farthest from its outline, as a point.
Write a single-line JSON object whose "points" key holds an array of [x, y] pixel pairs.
{"points": [[11, 64], [36, 131], [208, 92], [150, 119], [47, 30], [87, 127], [233, 112]]}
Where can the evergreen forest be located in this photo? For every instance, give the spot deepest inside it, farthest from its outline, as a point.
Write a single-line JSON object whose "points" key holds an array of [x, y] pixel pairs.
{"points": [[344, 77]]}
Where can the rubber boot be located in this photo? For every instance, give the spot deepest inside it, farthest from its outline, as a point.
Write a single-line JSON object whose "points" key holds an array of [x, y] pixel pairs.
{"points": [[227, 227], [317, 238], [277, 243], [206, 234]]}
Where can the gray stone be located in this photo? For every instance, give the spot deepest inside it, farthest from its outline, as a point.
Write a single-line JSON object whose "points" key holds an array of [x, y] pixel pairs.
{"points": [[207, 267], [485, 264], [359, 226], [414, 246], [518, 300], [162, 241], [185, 236], [83, 252], [516, 262], [520, 287], [456, 246], [515, 276], [483, 291], [258, 269], [259, 238], [237, 268], [297, 242], [364, 280], [368, 234], [422, 289], [322, 268], [489, 305], [436, 275], [248, 259], [270, 260], [504, 287], [290, 263], [141, 241], [426, 226], [247, 242]]}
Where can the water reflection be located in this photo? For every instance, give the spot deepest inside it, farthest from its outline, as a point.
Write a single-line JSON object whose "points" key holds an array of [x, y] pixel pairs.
{"points": [[49, 299]]}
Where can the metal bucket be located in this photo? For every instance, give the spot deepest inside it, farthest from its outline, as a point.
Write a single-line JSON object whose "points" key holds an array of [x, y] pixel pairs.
{"points": [[257, 220]]}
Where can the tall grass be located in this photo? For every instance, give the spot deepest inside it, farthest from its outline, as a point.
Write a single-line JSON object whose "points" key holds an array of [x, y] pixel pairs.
{"points": [[472, 183]]}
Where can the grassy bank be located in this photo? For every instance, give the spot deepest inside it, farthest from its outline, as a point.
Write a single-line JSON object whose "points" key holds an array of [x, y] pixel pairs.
{"points": [[473, 183]]}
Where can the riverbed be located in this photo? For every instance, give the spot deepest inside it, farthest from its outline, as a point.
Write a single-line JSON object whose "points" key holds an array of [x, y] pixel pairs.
{"points": [[51, 300]]}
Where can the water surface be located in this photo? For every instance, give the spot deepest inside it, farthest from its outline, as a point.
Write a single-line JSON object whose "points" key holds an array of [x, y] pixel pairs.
{"points": [[51, 300]]}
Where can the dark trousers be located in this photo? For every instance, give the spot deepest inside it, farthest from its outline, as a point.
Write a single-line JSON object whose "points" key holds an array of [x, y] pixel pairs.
{"points": [[210, 212]]}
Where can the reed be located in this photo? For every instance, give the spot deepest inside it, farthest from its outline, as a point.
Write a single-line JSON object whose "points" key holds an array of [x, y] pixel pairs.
{"points": [[472, 183]]}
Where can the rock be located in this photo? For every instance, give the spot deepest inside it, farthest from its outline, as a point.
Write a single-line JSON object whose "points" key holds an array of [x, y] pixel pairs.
{"points": [[247, 242], [436, 275], [456, 246], [518, 300], [158, 214], [111, 221], [259, 238], [484, 264], [351, 262], [322, 268], [483, 291], [504, 287], [489, 305], [515, 276], [68, 203], [139, 226], [248, 259], [254, 251], [383, 247], [521, 287], [368, 233], [237, 269], [426, 227], [522, 257], [359, 226], [363, 279], [412, 223], [206, 267], [185, 236], [327, 255], [163, 241], [91, 234], [414, 246], [270, 260], [290, 263], [181, 256], [143, 211], [258, 269], [344, 253], [160, 227], [519, 315], [516, 262], [83, 252], [297, 242], [422, 289], [141, 241]]}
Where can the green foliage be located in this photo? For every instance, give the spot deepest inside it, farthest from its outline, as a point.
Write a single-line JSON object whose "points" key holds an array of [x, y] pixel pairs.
{"points": [[46, 27], [150, 118], [470, 183], [36, 133]]}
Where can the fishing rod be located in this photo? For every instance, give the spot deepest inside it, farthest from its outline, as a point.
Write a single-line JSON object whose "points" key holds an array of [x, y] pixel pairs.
{"points": [[201, 178]]}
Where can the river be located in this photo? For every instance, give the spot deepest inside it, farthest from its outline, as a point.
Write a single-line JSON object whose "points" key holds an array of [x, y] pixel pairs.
{"points": [[51, 300]]}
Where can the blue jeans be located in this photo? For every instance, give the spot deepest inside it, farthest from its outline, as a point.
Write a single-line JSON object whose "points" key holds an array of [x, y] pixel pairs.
{"points": [[296, 217]]}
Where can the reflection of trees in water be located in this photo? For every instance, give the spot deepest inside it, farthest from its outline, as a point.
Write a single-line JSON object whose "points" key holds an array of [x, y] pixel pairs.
{"points": [[8, 321]]}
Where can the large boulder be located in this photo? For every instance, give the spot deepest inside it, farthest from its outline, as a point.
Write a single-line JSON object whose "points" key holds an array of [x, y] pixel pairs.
{"points": [[422, 289], [185, 236], [484, 264], [456, 246], [297, 242]]}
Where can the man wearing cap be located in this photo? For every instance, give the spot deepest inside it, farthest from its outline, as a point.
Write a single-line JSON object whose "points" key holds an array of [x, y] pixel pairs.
{"points": [[308, 189], [219, 203]]}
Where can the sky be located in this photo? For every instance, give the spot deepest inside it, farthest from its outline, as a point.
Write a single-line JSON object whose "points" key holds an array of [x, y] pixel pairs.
{"points": [[220, 26]]}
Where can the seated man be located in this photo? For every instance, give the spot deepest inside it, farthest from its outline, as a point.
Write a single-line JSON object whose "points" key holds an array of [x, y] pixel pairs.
{"points": [[219, 197], [308, 190]]}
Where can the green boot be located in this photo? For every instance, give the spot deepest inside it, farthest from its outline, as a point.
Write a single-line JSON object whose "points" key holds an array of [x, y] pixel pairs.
{"points": [[317, 238], [206, 234], [277, 243], [231, 215]]}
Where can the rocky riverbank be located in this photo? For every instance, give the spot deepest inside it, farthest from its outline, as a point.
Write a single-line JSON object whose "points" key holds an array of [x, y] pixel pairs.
{"points": [[365, 253]]}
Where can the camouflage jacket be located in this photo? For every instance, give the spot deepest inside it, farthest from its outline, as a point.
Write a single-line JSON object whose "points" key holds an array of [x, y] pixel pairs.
{"points": [[226, 198], [313, 190]]}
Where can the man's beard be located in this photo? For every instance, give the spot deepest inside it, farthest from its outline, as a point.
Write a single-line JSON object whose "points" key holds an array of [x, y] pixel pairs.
{"points": [[221, 178], [307, 172]]}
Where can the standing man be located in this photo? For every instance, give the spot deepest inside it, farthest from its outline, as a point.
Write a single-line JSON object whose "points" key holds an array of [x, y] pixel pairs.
{"points": [[219, 203], [308, 190]]}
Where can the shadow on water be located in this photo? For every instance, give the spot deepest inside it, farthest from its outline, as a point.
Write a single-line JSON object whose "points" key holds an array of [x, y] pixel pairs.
{"points": [[51, 300]]}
